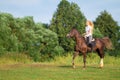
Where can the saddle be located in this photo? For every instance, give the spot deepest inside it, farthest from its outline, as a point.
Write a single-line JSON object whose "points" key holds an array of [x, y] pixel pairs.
{"points": [[91, 45]]}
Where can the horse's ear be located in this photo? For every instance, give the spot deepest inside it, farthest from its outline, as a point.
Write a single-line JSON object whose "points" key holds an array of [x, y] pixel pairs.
{"points": [[73, 27]]}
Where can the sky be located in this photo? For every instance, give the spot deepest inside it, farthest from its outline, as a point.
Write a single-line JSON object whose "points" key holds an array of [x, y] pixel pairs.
{"points": [[43, 10]]}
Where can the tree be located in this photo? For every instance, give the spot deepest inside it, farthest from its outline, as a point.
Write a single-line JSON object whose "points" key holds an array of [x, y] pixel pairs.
{"points": [[8, 41], [108, 27], [23, 35], [64, 19], [35, 39], [45, 41], [97, 33], [24, 32]]}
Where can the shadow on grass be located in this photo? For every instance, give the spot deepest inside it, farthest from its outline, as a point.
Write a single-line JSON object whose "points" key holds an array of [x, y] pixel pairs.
{"points": [[65, 66], [79, 67]]}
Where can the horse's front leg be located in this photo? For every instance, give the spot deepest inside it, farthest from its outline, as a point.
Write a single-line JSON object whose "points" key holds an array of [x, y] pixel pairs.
{"points": [[84, 60], [74, 56]]}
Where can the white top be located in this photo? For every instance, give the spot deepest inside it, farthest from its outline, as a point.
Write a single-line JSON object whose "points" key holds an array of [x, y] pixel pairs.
{"points": [[88, 30]]}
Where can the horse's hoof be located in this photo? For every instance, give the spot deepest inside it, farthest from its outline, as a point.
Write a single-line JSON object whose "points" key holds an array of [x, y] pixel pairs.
{"points": [[84, 68], [101, 67], [74, 67]]}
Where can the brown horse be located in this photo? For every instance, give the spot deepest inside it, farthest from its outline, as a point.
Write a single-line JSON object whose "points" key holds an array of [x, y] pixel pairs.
{"points": [[81, 46]]}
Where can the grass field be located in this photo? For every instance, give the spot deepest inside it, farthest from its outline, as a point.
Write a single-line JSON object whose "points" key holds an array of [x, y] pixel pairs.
{"points": [[58, 72], [61, 69]]}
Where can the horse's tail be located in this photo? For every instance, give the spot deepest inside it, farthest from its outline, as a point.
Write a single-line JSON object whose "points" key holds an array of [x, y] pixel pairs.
{"points": [[107, 42]]}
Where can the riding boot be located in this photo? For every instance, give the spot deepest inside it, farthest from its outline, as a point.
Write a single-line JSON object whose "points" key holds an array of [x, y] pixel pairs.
{"points": [[91, 45]]}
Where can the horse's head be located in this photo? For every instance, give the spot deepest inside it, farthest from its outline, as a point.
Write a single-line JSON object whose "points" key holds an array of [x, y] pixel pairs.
{"points": [[72, 33]]}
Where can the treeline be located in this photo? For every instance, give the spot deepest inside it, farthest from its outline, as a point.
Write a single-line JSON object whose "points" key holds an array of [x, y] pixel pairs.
{"points": [[23, 35], [43, 42]]}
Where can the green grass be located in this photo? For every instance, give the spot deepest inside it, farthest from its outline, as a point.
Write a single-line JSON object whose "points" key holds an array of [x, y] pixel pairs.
{"points": [[14, 58], [58, 72], [60, 69]]}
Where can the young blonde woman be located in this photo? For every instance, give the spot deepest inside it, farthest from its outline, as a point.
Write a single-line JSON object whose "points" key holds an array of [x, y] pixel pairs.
{"points": [[88, 33]]}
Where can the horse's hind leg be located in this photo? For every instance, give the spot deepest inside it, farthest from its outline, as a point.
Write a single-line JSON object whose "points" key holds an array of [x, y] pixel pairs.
{"points": [[101, 54], [74, 56], [101, 59], [101, 63]]}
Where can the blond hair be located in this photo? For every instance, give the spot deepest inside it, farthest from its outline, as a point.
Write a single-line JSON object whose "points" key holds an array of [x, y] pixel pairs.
{"points": [[90, 23]]}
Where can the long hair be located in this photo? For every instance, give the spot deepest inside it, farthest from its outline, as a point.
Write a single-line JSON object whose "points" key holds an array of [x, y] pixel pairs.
{"points": [[91, 24]]}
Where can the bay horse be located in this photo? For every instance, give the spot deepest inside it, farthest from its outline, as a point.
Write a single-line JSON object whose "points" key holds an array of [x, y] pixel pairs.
{"points": [[81, 46]]}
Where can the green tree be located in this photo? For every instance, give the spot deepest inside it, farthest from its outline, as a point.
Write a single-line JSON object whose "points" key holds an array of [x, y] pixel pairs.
{"points": [[67, 16], [97, 33], [45, 42], [8, 41], [108, 27], [35, 39], [24, 32]]}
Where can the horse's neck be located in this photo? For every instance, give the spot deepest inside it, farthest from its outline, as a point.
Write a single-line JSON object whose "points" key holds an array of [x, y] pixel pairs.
{"points": [[78, 38]]}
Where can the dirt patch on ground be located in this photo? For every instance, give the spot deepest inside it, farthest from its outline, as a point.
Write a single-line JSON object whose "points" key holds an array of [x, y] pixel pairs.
{"points": [[13, 66]]}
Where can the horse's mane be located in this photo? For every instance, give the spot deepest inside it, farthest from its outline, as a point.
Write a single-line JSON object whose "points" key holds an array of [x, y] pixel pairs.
{"points": [[77, 32], [80, 36]]}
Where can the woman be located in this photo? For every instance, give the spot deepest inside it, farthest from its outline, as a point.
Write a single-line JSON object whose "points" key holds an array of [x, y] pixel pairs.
{"points": [[89, 31]]}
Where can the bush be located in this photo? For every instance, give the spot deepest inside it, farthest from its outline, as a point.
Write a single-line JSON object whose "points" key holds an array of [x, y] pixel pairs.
{"points": [[58, 51]]}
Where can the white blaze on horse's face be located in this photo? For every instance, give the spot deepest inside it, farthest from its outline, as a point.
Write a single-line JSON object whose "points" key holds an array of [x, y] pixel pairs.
{"points": [[68, 35]]}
